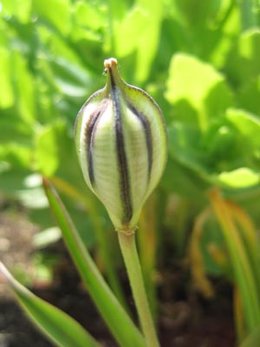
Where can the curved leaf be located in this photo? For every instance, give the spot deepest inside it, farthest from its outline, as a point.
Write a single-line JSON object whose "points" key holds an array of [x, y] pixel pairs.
{"points": [[253, 339], [123, 329], [63, 330]]}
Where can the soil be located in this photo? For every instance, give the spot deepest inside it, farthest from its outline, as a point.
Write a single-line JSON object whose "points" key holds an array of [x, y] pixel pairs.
{"points": [[186, 319]]}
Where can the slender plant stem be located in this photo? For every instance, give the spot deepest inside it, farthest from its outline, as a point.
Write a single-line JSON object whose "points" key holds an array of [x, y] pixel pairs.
{"points": [[132, 263], [147, 241]]}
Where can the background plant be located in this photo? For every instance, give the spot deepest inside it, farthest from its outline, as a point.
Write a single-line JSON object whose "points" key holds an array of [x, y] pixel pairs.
{"points": [[201, 63]]}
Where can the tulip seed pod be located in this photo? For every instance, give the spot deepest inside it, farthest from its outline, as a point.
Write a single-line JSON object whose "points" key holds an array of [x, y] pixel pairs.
{"points": [[121, 144]]}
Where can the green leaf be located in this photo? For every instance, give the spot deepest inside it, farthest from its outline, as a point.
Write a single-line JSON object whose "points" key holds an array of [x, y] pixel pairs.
{"points": [[17, 155], [20, 9], [141, 26], [6, 90], [249, 95], [249, 13], [186, 182], [212, 236], [244, 275], [46, 151], [196, 13], [71, 79], [222, 146], [184, 147], [54, 151], [57, 13], [248, 125], [24, 88], [89, 16], [11, 180], [63, 330], [112, 312], [253, 339], [198, 84], [239, 178], [243, 61]]}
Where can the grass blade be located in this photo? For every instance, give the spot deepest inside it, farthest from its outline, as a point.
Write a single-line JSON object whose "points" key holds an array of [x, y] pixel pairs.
{"points": [[253, 340], [243, 272], [63, 330], [102, 238], [200, 279], [121, 326]]}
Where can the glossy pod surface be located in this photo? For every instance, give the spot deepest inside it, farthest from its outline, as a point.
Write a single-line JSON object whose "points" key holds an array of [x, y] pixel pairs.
{"points": [[121, 144]]}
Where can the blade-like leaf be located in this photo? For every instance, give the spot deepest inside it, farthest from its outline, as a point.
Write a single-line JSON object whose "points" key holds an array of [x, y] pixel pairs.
{"points": [[63, 330], [109, 307], [243, 272], [253, 339]]}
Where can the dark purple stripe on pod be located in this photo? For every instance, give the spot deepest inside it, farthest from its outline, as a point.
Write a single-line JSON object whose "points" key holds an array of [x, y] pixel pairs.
{"points": [[121, 153], [90, 137]]}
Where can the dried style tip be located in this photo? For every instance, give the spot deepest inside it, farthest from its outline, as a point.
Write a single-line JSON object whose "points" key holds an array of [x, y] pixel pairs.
{"points": [[121, 144], [109, 63]]}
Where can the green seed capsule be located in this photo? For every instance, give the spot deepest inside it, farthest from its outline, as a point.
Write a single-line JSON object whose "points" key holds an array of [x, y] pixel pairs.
{"points": [[121, 144]]}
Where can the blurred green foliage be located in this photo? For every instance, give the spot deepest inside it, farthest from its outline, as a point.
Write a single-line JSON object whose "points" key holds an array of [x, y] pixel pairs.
{"points": [[199, 59]]}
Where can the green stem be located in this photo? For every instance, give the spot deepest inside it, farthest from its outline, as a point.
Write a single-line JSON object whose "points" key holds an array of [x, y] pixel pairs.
{"points": [[132, 263], [106, 257], [147, 242]]}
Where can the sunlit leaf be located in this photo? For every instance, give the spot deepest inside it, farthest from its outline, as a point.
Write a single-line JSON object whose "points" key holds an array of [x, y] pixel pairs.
{"points": [[20, 9], [6, 90], [200, 85], [46, 152], [24, 87], [18, 156], [89, 16], [56, 13], [141, 26], [239, 178]]}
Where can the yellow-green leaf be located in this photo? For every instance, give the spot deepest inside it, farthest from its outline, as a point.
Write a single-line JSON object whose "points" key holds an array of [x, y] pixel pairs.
{"points": [[242, 177]]}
